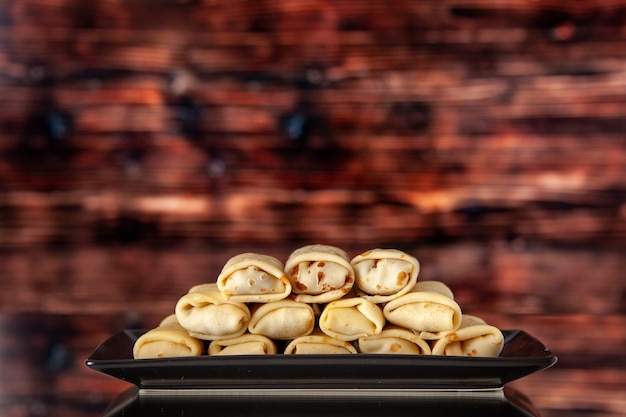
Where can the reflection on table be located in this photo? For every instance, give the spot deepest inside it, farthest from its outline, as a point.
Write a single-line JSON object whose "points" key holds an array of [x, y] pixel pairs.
{"points": [[195, 403]]}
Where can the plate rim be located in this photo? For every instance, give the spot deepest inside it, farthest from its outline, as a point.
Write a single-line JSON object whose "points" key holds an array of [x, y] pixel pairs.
{"points": [[519, 366]]}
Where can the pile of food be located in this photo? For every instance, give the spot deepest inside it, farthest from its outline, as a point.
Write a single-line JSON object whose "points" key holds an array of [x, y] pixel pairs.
{"points": [[320, 302]]}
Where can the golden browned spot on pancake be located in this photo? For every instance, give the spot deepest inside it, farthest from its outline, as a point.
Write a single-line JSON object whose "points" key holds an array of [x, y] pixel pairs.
{"points": [[300, 286], [395, 347], [402, 276], [251, 282], [321, 264], [295, 271], [320, 277]]}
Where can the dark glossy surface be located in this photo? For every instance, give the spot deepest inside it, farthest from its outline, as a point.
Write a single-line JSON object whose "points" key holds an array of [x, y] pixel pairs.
{"points": [[508, 402], [522, 355]]}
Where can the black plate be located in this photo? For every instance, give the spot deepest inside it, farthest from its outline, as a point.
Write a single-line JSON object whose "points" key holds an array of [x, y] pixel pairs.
{"points": [[522, 355]]}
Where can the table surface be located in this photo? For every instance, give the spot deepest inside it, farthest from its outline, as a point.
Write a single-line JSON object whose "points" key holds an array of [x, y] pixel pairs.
{"points": [[507, 402]]}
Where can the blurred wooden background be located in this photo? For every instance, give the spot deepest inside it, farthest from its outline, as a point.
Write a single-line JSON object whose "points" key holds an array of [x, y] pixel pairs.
{"points": [[143, 143]]}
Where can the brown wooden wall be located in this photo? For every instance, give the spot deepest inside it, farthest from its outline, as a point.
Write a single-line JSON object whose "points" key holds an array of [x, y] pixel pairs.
{"points": [[143, 143]]}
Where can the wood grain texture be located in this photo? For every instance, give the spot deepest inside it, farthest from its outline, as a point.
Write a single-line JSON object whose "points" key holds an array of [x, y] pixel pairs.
{"points": [[142, 144]]}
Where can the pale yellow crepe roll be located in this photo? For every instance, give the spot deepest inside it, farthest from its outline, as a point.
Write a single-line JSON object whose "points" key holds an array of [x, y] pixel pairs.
{"points": [[319, 343], [350, 318], [168, 340], [282, 320], [171, 319], [207, 314], [428, 309], [319, 273], [473, 338], [384, 274], [246, 344], [395, 341], [253, 277]]}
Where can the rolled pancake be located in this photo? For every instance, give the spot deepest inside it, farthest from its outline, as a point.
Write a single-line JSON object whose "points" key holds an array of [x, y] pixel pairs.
{"points": [[319, 273], [207, 314], [168, 340], [246, 344], [384, 274], [171, 319], [428, 309], [394, 341], [282, 320], [473, 338], [253, 277], [350, 318], [318, 343]]}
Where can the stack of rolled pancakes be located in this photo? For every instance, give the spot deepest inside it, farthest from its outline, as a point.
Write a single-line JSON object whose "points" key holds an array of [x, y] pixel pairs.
{"points": [[320, 302]]}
